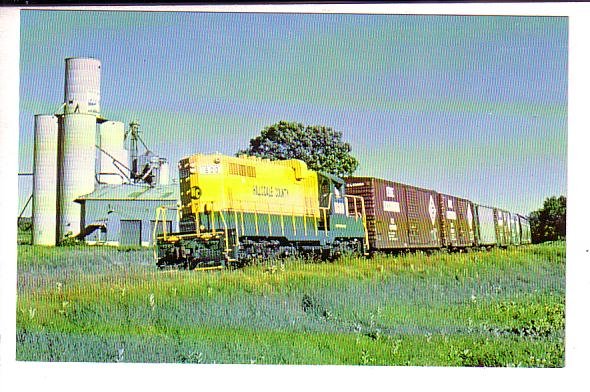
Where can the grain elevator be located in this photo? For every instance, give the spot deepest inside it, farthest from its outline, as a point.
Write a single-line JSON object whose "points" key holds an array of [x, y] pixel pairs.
{"points": [[80, 156]]}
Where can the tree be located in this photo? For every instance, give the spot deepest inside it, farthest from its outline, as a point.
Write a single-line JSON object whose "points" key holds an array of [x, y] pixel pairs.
{"points": [[320, 147], [548, 223]]}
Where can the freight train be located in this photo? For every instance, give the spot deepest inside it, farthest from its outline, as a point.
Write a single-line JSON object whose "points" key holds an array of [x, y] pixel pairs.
{"points": [[238, 210]]}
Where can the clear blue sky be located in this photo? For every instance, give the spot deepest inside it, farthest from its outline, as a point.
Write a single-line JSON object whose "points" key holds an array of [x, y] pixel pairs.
{"points": [[473, 106]]}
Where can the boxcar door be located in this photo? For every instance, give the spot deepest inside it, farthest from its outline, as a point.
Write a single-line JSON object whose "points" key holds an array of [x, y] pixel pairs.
{"points": [[448, 220], [508, 227], [515, 230], [500, 230], [423, 218], [390, 216], [464, 223], [486, 226]]}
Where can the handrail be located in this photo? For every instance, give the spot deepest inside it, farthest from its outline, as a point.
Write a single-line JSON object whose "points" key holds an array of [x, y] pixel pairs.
{"points": [[263, 208], [161, 215], [269, 220], [355, 198], [242, 221], [356, 213], [315, 225], [282, 226], [237, 228], [324, 211], [197, 218], [293, 221], [158, 212], [326, 227], [227, 249], [329, 200], [256, 220], [213, 218], [363, 215]]}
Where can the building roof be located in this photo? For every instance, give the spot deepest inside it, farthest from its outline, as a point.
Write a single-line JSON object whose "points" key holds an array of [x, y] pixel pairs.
{"points": [[169, 192]]}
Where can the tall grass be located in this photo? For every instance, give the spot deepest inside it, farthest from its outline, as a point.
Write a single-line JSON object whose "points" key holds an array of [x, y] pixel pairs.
{"points": [[498, 308]]}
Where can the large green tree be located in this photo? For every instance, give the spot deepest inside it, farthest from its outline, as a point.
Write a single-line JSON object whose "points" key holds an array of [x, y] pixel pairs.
{"points": [[322, 148], [548, 223]]}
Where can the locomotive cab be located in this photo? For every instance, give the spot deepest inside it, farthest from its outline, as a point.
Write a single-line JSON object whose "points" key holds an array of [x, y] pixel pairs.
{"points": [[332, 196], [342, 216]]}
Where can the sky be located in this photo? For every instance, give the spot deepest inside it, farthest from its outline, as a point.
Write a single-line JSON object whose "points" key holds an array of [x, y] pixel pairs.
{"points": [[473, 106]]}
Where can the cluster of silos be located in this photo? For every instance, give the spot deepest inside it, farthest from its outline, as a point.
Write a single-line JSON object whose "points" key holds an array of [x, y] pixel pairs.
{"points": [[64, 155]]}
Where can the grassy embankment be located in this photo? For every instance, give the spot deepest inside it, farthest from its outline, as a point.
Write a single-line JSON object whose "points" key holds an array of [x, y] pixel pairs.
{"points": [[498, 308]]}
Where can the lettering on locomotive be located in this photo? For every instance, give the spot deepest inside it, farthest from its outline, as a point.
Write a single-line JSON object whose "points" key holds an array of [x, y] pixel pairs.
{"points": [[270, 191]]}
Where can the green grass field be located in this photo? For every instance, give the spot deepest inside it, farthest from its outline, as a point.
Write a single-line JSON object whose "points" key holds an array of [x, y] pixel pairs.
{"points": [[496, 308]]}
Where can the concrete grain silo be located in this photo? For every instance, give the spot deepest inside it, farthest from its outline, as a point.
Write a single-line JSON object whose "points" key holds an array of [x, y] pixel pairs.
{"points": [[76, 172], [82, 86], [45, 180], [113, 155], [77, 142]]}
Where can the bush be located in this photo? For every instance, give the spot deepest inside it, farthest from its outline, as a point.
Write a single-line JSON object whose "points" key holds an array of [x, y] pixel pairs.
{"points": [[549, 222]]}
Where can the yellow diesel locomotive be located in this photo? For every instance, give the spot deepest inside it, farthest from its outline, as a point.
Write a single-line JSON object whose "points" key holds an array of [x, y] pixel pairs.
{"points": [[235, 210]]}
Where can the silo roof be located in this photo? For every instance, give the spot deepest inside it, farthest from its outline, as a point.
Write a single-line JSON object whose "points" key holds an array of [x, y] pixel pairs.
{"points": [[133, 192]]}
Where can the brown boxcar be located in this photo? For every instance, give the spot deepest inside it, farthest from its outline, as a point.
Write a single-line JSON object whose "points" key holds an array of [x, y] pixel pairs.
{"points": [[399, 216], [456, 225], [385, 208]]}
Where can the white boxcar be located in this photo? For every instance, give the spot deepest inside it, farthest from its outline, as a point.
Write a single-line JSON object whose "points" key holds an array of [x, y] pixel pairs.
{"points": [[487, 226]]}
